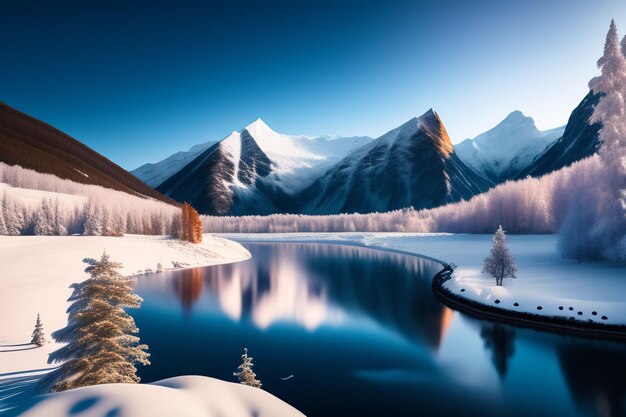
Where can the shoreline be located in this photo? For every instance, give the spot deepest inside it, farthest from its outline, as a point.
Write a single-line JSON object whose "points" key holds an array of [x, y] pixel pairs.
{"points": [[554, 324]]}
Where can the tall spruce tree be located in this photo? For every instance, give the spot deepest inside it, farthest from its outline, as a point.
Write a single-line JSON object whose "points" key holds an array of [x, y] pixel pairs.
{"points": [[38, 337], [610, 227], [102, 346], [244, 371], [500, 264]]}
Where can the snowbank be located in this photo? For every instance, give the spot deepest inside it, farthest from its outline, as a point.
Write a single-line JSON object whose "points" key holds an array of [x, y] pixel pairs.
{"points": [[193, 396], [37, 272], [544, 280]]}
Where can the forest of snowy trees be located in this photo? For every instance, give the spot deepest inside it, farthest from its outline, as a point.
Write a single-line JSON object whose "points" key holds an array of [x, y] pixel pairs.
{"points": [[65, 207], [533, 205]]}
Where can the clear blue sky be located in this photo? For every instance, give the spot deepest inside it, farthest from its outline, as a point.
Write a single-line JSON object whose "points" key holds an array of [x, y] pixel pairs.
{"points": [[138, 82]]}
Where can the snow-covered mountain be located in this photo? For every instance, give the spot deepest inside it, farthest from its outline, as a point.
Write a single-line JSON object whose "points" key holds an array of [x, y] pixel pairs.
{"points": [[579, 140], [154, 174], [412, 165], [509, 148], [256, 171]]}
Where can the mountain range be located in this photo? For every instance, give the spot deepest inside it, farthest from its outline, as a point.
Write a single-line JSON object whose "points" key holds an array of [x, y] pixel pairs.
{"points": [[259, 171]]}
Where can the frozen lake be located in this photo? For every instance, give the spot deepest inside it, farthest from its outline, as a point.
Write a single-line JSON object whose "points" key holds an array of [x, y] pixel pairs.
{"points": [[362, 334]]}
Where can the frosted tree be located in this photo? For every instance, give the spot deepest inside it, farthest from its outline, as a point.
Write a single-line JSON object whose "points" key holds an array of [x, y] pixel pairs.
{"points": [[500, 263], [93, 220], [38, 337], [44, 219], [244, 371], [3, 226], [101, 342], [57, 222], [605, 234]]}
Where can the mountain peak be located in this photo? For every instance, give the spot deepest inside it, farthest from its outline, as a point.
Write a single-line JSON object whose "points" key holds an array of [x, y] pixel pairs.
{"points": [[431, 123]]}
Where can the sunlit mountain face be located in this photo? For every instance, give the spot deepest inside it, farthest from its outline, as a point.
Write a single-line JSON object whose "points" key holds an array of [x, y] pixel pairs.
{"points": [[362, 334]]}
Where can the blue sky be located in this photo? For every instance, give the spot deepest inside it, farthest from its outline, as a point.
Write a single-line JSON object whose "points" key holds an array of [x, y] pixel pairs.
{"points": [[138, 82]]}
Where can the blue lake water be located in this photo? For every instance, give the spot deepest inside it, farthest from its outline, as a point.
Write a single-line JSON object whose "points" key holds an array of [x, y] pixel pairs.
{"points": [[362, 335]]}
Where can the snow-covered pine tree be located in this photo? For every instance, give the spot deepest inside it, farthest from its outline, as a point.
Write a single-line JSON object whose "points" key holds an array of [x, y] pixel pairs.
{"points": [[43, 219], [13, 216], [604, 231], [244, 371], [38, 337], [101, 342], [3, 226], [611, 112], [500, 264], [93, 220], [58, 228]]}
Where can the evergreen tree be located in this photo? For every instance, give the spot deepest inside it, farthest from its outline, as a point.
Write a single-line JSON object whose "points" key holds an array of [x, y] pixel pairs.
{"points": [[43, 224], [93, 220], [3, 226], [38, 337], [609, 229], [245, 374], [58, 227], [101, 342], [500, 263]]}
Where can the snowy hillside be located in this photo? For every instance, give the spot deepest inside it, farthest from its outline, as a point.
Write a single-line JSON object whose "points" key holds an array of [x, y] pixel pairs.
{"points": [[192, 396], [507, 149], [154, 174]]}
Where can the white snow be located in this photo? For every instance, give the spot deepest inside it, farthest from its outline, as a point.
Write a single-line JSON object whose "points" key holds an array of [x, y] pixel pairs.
{"points": [[188, 396], [32, 198], [544, 278], [37, 272], [297, 159], [510, 146]]}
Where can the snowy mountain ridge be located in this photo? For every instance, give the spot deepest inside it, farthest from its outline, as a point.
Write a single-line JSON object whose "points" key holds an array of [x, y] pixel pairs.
{"points": [[508, 148]]}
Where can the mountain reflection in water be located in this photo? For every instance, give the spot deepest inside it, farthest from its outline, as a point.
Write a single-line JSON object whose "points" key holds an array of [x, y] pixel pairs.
{"points": [[363, 335]]}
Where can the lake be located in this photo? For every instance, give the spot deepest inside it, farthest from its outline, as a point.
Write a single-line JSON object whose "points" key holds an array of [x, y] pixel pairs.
{"points": [[345, 330]]}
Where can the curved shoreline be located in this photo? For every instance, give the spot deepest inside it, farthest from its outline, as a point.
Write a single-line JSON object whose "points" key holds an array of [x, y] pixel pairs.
{"points": [[554, 324]]}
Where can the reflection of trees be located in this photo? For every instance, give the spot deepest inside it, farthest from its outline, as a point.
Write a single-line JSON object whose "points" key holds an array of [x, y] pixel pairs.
{"points": [[318, 284], [500, 339], [596, 376], [188, 286]]}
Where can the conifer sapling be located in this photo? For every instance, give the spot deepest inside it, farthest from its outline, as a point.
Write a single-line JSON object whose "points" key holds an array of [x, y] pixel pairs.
{"points": [[500, 264], [244, 371], [38, 337]]}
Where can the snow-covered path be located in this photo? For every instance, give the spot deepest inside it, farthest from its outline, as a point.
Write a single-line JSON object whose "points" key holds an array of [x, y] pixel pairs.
{"points": [[544, 278]]}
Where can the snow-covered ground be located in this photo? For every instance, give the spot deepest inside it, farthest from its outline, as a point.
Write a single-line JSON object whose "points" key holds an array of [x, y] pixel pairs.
{"points": [[544, 278], [188, 396], [37, 272]]}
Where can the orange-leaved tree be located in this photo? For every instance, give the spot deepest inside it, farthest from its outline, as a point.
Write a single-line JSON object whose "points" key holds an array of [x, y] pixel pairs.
{"points": [[190, 224]]}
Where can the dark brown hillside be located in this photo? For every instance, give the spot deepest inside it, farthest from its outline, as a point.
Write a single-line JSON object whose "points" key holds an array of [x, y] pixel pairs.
{"points": [[33, 144]]}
